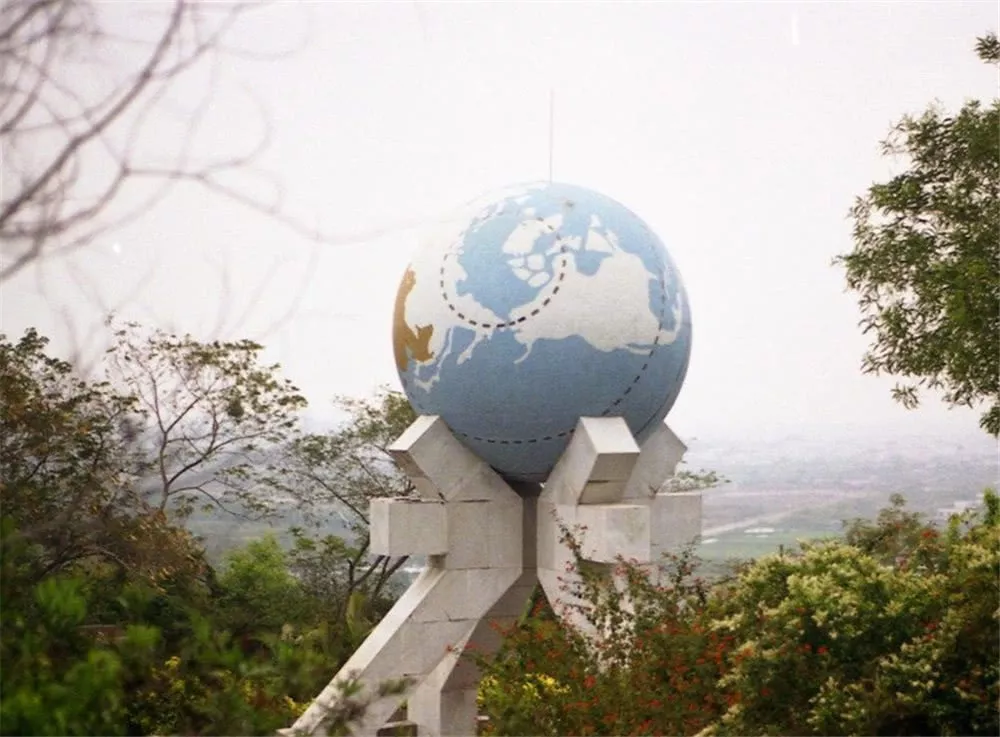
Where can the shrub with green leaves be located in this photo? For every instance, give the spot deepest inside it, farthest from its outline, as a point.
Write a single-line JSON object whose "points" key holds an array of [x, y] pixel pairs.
{"points": [[891, 630], [845, 639], [55, 679]]}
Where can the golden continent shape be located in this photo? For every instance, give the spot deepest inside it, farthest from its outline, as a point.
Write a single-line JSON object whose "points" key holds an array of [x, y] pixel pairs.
{"points": [[408, 343]]}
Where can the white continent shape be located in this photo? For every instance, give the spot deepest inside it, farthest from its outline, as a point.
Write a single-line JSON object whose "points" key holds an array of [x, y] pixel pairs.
{"points": [[608, 309]]}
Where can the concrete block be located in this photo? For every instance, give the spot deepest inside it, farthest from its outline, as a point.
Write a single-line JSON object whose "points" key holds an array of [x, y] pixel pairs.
{"points": [[676, 520], [485, 534], [661, 452], [413, 599], [467, 594], [389, 652], [421, 645], [450, 713], [551, 552], [514, 601], [439, 464], [487, 548], [408, 527], [529, 528], [615, 530], [596, 465]]}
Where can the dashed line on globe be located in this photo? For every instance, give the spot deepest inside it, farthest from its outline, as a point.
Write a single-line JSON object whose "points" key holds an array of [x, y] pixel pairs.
{"points": [[529, 441], [652, 350], [560, 275], [628, 390]]}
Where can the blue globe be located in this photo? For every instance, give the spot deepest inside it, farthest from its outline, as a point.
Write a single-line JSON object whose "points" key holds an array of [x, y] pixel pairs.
{"points": [[532, 308]]}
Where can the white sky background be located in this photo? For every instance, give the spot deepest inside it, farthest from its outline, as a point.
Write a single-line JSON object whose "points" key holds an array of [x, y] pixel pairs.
{"points": [[740, 132]]}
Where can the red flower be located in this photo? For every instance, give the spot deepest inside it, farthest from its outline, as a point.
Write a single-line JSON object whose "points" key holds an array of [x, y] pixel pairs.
{"points": [[822, 650], [589, 682], [765, 692]]}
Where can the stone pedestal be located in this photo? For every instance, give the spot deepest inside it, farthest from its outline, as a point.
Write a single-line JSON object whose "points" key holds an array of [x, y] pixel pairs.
{"points": [[488, 544]]}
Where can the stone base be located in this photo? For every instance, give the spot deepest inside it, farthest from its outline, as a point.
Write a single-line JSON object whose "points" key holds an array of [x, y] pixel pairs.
{"points": [[489, 543]]}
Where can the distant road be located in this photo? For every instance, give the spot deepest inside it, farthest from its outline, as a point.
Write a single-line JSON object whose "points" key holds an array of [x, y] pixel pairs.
{"points": [[778, 516]]}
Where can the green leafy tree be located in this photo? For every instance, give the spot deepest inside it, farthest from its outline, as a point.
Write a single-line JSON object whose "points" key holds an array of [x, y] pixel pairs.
{"points": [[257, 591], [335, 476], [65, 472], [104, 468], [891, 630], [113, 622], [925, 257], [55, 679]]}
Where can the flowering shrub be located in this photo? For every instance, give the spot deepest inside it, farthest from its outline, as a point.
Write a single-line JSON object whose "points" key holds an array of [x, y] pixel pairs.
{"points": [[845, 640], [654, 671], [892, 630]]}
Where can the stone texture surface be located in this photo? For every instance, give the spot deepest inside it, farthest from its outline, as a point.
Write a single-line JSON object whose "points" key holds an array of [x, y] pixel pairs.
{"points": [[442, 467], [485, 533], [661, 452], [676, 519], [612, 530], [596, 464], [408, 527], [489, 543]]}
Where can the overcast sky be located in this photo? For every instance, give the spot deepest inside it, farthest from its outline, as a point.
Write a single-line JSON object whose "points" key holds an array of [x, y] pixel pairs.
{"points": [[740, 132]]}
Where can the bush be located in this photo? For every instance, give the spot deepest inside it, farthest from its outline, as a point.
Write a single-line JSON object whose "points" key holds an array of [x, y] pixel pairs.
{"points": [[55, 679], [654, 671], [891, 630], [64, 674], [840, 640]]}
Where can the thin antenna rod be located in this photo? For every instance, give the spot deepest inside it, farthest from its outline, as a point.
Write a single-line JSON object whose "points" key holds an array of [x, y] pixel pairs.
{"points": [[552, 127]]}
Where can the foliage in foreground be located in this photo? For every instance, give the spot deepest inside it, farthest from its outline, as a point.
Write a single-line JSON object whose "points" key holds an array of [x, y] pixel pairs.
{"points": [[114, 621], [925, 256], [891, 630]]}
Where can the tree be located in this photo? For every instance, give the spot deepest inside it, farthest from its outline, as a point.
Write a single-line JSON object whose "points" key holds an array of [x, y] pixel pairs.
{"points": [[257, 591], [207, 416], [337, 474], [113, 622], [653, 670], [58, 448], [891, 630], [102, 469], [926, 250], [64, 473], [54, 680]]}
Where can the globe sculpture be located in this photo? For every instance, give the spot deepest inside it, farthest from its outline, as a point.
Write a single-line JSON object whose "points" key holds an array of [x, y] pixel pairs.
{"points": [[533, 308], [542, 336]]}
